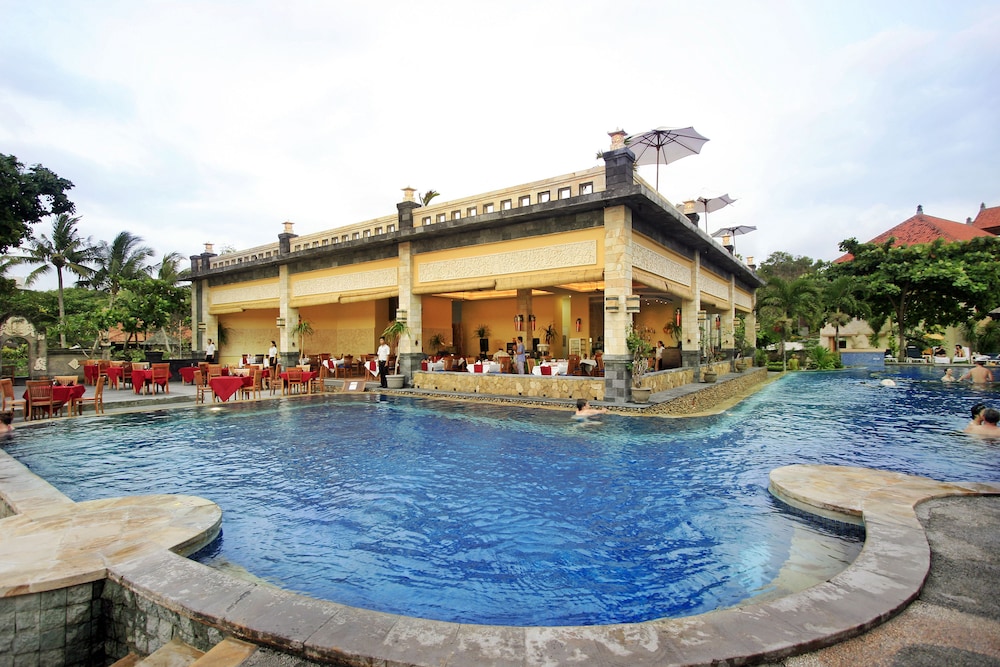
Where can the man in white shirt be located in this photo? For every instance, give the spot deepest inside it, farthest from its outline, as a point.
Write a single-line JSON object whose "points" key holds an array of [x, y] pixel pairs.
{"points": [[210, 352], [383, 360]]}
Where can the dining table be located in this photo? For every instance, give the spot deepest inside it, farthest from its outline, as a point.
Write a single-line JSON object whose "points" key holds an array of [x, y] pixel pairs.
{"points": [[115, 375], [224, 386], [142, 378], [187, 374], [484, 367], [61, 395], [90, 373], [551, 368], [307, 377]]}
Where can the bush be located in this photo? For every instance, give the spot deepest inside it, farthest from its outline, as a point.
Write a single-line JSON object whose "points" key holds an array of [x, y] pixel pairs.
{"points": [[775, 366]]}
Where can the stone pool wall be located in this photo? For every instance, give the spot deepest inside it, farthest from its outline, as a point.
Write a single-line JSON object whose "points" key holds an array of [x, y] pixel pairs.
{"points": [[496, 384], [58, 627], [710, 395]]}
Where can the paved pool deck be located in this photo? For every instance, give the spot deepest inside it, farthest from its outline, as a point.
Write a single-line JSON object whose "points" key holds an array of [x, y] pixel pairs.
{"points": [[925, 589]]}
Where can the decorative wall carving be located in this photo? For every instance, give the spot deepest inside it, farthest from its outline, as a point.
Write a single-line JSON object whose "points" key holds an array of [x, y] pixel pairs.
{"points": [[346, 282], [648, 260], [713, 286], [260, 292], [580, 253]]}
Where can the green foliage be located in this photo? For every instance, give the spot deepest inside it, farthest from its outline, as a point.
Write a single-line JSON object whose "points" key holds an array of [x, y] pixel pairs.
{"points": [[638, 341], [149, 304], [426, 198], [26, 196], [820, 358], [482, 331], [760, 357]]}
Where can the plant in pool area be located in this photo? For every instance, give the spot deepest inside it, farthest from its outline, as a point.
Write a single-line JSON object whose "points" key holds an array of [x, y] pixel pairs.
{"points": [[637, 340], [392, 333]]}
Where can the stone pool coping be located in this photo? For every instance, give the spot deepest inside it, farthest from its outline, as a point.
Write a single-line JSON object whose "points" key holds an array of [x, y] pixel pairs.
{"points": [[888, 574]]}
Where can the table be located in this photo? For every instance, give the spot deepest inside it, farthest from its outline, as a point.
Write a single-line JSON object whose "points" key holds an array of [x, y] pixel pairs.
{"points": [[588, 365], [484, 367], [432, 365], [61, 395], [115, 374], [224, 386], [555, 368], [141, 378], [307, 377], [90, 373], [187, 374]]}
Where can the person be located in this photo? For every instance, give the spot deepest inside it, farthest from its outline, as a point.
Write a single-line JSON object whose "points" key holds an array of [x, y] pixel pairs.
{"points": [[948, 376], [989, 426], [383, 353], [959, 350], [210, 352], [584, 412], [659, 355], [519, 354], [272, 355], [977, 417], [978, 373], [7, 423]]}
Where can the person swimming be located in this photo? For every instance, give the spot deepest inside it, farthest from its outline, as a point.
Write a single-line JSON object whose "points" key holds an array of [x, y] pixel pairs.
{"points": [[584, 412], [988, 427], [977, 417]]}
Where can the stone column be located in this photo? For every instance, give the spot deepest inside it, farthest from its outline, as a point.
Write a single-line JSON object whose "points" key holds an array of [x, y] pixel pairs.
{"points": [[691, 347], [404, 209], [289, 354], [285, 238], [619, 163], [617, 286], [729, 322], [409, 346]]}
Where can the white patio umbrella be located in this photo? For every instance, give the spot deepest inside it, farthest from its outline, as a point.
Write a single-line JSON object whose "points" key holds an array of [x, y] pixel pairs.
{"points": [[733, 232], [708, 205], [664, 145]]}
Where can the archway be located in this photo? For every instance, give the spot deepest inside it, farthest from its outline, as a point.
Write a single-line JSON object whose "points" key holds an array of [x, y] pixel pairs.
{"points": [[14, 333]]}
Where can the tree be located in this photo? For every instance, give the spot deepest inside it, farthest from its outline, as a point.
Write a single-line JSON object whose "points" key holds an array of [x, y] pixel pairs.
{"points": [[783, 265], [842, 299], [425, 199], [148, 304], [65, 250], [27, 196], [935, 284], [122, 260], [785, 302], [169, 268]]}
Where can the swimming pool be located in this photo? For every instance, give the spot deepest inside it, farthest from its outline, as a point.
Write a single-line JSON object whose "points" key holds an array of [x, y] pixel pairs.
{"points": [[503, 515]]}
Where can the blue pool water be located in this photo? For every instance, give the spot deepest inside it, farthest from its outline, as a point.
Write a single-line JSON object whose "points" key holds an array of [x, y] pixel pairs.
{"points": [[506, 515]]}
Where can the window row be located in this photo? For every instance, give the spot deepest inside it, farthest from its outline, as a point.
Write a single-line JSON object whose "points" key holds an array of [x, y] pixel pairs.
{"points": [[508, 204]]}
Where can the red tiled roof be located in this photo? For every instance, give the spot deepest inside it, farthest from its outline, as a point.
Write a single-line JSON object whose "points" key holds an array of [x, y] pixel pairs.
{"points": [[923, 228], [988, 219]]}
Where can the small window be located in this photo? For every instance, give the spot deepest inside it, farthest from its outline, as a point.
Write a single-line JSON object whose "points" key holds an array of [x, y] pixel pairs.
{"points": [[524, 201], [442, 217], [487, 208], [367, 233], [565, 193], [298, 247], [470, 212], [456, 215], [390, 229], [542, 198], [335, 240], [586, 188], [315, 244], [505, 205], [326, 242], [344, 238], [355, 236], [426, 220], [843, 343], [378, 230]]}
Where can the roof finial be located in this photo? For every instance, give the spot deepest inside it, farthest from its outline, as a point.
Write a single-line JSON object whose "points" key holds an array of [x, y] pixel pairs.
{"points": [[920, 209]]}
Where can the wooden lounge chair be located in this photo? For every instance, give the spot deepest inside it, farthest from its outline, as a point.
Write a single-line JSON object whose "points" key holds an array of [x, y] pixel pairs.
{"points": [[76, 405], [10, 402]]}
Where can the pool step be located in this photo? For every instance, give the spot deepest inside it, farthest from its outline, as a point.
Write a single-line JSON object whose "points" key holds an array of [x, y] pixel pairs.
{"points": [[175, 653]]}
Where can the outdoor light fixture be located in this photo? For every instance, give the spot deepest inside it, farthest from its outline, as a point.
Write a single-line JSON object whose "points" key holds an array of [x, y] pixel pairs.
{"points": [[531, 321], [632, 303], [202, 326], [677, 317], [611, 304], [401, 315], [280, 321]]}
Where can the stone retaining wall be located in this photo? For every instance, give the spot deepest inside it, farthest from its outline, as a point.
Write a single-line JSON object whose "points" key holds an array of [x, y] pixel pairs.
{"points": [[528, 386], [711, 394], [59, 627]]}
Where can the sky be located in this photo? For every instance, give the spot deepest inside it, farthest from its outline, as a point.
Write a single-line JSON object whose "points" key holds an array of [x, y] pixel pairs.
{"points": [[188, 123]]}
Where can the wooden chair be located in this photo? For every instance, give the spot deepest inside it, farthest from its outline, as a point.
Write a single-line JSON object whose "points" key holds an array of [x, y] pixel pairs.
{"points": [[318, 384], [214, 370], [76, 405], [40, 397], [293, 384], [529, 365], [505, 364], [255, 388], [275, 382], [127, 373], [573, 365], [346, 369], [10, 402], [599, 371], [200, 386], [161, 377]]}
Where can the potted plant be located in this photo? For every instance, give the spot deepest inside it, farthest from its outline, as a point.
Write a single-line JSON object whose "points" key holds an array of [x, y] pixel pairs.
{"points": [[640, 348], [483, 334], [549, 333], [709, 375], [438, 343], [301, 330], [392, 333]]}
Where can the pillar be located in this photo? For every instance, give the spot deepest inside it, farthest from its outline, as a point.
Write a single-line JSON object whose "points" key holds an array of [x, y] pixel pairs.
{"points": [[617, 286], [409, 346], [691, 345]]}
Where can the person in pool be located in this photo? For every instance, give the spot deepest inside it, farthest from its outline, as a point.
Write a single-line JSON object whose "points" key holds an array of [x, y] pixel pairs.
{"points": [[948, 376], [988, 427], [6, 423], [977, 417], [584, 412]]}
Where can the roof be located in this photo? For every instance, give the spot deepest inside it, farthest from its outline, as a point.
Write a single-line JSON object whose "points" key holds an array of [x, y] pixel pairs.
{"points": [[988, 219], [923, 228]]}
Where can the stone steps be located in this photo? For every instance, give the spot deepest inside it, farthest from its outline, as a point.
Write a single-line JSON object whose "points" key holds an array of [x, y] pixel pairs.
{"points": [[175, 653]]}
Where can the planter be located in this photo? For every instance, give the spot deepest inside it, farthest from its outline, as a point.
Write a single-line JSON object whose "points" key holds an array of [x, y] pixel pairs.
{"points": [[395, 381], [709, 376], [641, 394], [742, 364]]}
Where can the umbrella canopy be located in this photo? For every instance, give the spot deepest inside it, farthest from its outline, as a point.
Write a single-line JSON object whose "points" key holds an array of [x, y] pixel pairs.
{"points": [[707, 205], [664, 145], [734, 231]]}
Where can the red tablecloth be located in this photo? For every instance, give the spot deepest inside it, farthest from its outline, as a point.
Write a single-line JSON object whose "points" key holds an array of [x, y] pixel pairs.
{"points": [[307, 377], [115, 374], [61, 395], [90, 372], [141, 378], [225, 386], [187, 373]]}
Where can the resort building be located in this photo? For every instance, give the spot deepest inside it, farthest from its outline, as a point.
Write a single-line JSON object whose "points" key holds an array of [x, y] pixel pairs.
{"points": [[569, 263]]}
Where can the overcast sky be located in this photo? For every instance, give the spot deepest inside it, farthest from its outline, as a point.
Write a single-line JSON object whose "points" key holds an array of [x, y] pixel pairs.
{"points": [[195, 122]]}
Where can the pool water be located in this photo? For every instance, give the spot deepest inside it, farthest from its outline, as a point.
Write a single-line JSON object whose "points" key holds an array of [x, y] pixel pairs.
{"points": [[505, 515]]}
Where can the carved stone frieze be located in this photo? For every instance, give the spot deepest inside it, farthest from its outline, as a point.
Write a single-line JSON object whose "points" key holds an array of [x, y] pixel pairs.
{"points": [[648, 260], [565, 255]]}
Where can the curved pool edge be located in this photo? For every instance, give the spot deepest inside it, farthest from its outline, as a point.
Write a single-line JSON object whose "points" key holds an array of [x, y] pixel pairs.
{"points": [[887, 575]]}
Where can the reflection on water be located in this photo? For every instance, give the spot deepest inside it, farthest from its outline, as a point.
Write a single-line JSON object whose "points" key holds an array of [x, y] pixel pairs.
{"points": [[498, 514]]}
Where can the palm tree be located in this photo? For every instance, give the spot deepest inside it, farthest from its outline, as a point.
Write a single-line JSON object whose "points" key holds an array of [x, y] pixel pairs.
{"points": [[169, 268], [65, 250], [122, 259], [789, 300], [841, 298]]}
